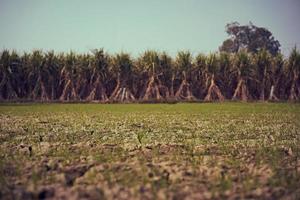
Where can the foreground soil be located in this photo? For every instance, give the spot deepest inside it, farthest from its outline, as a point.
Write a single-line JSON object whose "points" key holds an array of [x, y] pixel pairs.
{"points": [[161, 151]]}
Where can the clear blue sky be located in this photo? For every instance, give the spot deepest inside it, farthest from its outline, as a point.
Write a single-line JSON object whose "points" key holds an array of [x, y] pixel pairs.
{"points": [[136, 25]]}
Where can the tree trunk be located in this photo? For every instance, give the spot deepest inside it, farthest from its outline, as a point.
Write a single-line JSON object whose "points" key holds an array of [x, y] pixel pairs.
{"points": [[69, 92], [53, 91], [184, 92], [98, 92], [272, 95], [113, 94], [293, 95], [241, 92], [2, 84], [164, 90], [153, 90], [262, 91], [121, 93], [213, 91], [172, 86], [39, 92], [10, 92]]}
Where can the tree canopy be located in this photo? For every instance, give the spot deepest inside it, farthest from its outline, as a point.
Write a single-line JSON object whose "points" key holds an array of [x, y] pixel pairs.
{"points": [[249, 37]]}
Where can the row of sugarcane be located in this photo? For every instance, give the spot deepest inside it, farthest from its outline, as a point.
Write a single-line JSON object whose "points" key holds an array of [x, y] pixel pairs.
{"points": [[151, 77]]}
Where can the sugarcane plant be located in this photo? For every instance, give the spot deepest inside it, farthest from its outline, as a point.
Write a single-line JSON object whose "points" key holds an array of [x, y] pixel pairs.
{"points": [[243, 72], [212, 69], [293, 71], [99, 77], [123, 69], [184, 65]]}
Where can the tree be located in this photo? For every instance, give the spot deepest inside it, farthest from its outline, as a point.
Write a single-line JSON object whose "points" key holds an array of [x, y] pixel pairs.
{"points": [[122, 66], [7, 65], [225, 79], [243, 71], [153, 88], [67, 77], [263, 63], [166, 74], [200, 75], [293, 71], [99, 67], [213, 68], [249, 37], [276, 77], [38, 75], [184, 65], [52, 66]]}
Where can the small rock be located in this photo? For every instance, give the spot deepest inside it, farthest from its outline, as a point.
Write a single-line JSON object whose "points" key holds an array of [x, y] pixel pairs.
{"points": [[61, 178], [45, 147], [30, 150], [45, 193], [272, 138], [258, 192], [207, 195], [290, 152]]}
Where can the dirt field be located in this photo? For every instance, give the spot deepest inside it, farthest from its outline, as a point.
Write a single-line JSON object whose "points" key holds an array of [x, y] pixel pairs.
{"points": [[150, 151]]}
